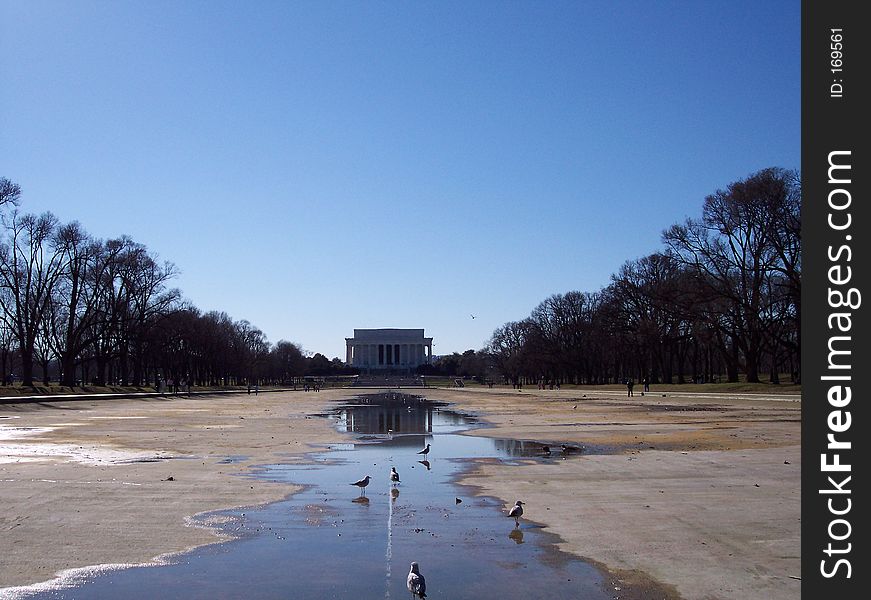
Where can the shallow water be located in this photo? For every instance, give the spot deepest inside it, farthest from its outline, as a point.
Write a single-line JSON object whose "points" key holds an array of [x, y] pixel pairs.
{"points": [[333, 540]]}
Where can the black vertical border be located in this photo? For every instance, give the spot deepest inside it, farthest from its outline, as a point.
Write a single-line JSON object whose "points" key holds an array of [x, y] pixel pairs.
{"points": [[831, 123]]}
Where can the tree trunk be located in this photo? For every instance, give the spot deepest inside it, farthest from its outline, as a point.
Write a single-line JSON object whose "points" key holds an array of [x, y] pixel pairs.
{"points": [[752, 359], [68, 366], [100, 377], [732, 364], [26, 366], [123, 364]]}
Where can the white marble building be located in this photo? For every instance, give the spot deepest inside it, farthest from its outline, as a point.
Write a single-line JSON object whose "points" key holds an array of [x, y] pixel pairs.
{"points": [[388, 349]]}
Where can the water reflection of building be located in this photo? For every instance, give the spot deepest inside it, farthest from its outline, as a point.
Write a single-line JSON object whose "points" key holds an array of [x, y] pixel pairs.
{"points": [[386, 419], [388, 413]]}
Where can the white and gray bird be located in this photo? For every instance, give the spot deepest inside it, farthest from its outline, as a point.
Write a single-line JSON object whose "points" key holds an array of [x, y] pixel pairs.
{"points": [[394, 476], [362, 483], [425, 451], [516, 512], [416, 583]]}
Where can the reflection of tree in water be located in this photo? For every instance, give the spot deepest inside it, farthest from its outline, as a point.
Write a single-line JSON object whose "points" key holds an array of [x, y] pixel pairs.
{"points": [[520, 447]]}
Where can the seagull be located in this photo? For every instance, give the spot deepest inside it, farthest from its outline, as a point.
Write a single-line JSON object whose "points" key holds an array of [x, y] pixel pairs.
{"points": [[416, 583], [362, 484], [394, 476], [473, 316], [425, 451], [516, 512]]}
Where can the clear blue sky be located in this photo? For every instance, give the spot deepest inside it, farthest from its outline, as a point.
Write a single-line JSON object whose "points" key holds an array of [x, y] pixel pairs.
{"points": [[313, 167]]}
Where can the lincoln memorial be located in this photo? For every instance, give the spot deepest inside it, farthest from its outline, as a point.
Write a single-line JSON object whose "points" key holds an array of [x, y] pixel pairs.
{"points": [[388, 349]]}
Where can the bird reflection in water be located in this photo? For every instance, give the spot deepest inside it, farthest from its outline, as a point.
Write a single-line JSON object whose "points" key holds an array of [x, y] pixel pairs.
{"points": [[516, 536], [425, 463], [361, 500], [394, 494]]}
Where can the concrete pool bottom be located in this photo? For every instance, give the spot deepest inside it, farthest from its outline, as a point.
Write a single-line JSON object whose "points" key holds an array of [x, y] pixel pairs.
{"points": [[461, 546]]}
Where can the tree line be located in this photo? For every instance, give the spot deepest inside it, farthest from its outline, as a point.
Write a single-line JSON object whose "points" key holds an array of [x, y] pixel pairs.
{"points": [[720, 300], [103, 312]]}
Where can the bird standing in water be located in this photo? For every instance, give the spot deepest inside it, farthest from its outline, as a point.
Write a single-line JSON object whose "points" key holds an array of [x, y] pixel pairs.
{"points": [[362, 484], [516, 512], [425, 451], [394, 476], [416, 583]]}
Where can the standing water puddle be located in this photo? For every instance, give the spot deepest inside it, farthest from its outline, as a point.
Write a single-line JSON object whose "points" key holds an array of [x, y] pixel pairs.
{"points": [[329, 541]]}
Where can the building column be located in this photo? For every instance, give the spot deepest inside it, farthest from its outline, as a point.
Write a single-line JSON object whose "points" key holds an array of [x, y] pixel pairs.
{"points": [[347, 352]]}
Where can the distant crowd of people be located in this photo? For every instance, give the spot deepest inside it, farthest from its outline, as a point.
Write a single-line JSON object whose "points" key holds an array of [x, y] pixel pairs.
{"points": [[174, 386], [550, 385]]}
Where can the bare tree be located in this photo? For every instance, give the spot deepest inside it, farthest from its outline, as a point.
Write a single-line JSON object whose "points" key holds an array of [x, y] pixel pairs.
{"points": [[252, 348], [732, 249], [508, 348], [75, 313], [137, 297], [785, 202], [10, 192], [8, 347], [288, 361], [30, 265]]}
